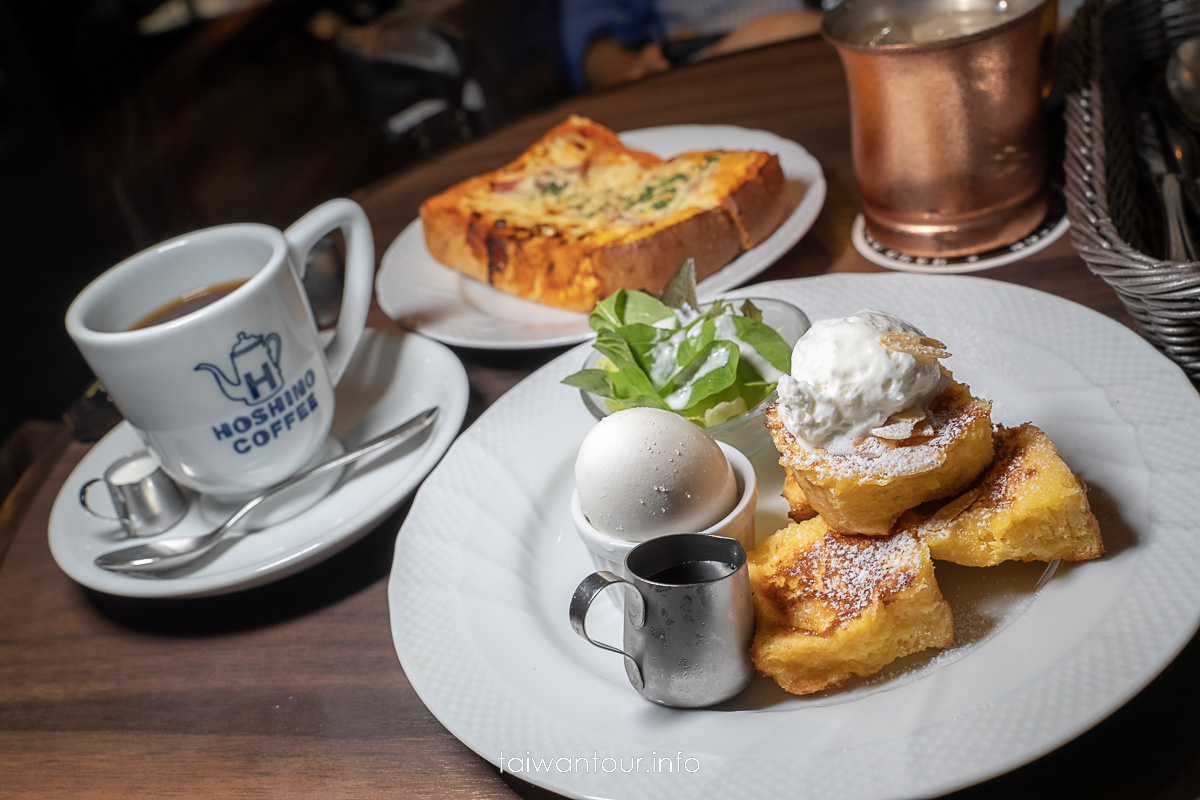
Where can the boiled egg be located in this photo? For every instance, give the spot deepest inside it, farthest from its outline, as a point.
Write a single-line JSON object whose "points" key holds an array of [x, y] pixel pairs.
{"points": [[643, 472]]}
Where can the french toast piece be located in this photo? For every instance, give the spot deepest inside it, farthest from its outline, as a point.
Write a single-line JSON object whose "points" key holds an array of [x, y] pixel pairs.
{"points": [[1027, 506], [579, 215], [830, 605], [864, 491], [799, 509]]}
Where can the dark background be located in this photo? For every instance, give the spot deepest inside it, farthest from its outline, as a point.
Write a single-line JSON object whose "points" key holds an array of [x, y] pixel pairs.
{"points": [[113, 138]]}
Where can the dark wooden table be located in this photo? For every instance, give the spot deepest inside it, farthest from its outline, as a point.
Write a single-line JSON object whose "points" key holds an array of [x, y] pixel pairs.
{"points": [[294, 689]]}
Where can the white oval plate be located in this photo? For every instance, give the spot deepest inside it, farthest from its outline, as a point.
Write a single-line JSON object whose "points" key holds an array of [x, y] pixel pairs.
{"points": [[392, 376], [487, 560], [421, 294]]}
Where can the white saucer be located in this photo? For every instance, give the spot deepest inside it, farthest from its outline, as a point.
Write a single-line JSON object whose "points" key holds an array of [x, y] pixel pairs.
{"points": [[276, 510], [393, 375], [1046, 234]]}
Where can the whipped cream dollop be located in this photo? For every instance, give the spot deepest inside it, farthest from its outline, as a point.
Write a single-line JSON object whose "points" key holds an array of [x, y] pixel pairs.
{"points": [[845, 381], [643, 472]]}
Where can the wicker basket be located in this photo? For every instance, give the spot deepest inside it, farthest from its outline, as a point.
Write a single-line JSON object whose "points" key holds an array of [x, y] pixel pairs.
{"points": [[1114, 50]]}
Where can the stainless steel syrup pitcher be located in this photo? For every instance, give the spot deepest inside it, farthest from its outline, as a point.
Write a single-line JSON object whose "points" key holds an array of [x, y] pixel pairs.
{"points": [[688, 621]]}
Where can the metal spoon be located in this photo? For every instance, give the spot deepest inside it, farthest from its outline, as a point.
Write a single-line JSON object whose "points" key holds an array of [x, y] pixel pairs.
{"points": [[1183, 79], [1148, 142], [1181, 146], [165, 554]]}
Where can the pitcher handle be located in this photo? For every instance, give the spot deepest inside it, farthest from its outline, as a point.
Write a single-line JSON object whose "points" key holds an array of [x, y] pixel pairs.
{"points": [[360, 271], [587, 591], [83, 501]]}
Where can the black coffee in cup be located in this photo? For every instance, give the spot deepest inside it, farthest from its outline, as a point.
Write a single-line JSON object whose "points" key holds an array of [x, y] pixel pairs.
{"points": [[189, 302]]}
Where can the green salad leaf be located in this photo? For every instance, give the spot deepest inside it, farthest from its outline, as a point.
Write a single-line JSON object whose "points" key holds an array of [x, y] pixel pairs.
{"points": [[671, 354]]}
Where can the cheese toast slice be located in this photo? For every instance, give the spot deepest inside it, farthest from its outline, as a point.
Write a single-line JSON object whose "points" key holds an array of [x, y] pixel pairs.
{"points": [[579, 215]]}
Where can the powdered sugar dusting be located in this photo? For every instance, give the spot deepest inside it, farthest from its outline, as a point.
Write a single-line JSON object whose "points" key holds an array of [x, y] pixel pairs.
{"points": [[991, 493], [849, 572]]}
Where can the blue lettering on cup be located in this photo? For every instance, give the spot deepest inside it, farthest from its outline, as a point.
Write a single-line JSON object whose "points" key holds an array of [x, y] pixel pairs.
{"points": [[273, 414]]}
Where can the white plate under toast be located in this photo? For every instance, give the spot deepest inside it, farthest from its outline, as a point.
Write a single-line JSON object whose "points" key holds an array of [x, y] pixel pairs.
{"points": [[422, 295]]}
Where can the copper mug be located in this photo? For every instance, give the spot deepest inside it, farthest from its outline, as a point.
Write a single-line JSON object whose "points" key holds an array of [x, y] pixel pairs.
{"points": [[947, 125]]}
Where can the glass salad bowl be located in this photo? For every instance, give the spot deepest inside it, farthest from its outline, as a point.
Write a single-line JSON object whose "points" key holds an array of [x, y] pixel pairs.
{"points": [[745, 430]]}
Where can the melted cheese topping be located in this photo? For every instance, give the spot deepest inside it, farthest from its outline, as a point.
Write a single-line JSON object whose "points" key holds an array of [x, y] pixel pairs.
{"points": [[568, 189]]}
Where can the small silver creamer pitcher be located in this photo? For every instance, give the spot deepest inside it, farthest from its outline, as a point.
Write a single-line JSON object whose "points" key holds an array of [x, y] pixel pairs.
{"points": [[689, 619], [145, 499]]}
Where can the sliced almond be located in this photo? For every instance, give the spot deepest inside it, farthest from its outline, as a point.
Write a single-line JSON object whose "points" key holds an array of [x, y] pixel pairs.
{"points": [[895, 431], [903, 425], [914, 344], [923, 430]]}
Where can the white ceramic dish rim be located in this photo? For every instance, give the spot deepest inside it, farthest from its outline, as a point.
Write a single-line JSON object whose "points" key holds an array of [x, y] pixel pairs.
{"points": [[1123, 411]]}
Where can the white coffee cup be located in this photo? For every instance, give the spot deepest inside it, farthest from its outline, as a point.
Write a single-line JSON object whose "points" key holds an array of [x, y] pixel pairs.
{"points": [[237, 395]]}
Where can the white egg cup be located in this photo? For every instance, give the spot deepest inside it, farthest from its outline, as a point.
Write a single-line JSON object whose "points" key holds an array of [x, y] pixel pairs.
{"points": [[608, 552]]}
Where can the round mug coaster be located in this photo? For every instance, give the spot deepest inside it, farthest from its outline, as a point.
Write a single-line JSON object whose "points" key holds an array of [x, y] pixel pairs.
{"points": [[1052, 227]]}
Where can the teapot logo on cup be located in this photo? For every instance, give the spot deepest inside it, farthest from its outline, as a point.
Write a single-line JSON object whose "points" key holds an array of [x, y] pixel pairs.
{"points": [[266, 408], [255, 361]]}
